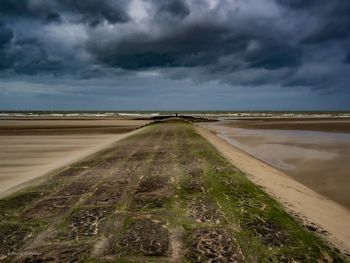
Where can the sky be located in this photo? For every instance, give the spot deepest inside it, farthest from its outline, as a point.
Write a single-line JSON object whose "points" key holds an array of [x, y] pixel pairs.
{"points": [[174, 55]]}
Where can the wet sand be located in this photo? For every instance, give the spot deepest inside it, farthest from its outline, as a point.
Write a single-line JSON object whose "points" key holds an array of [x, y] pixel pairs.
{"points": [[33, 148], [317, 159], [331, 218], [67, 126], [306, 124]]}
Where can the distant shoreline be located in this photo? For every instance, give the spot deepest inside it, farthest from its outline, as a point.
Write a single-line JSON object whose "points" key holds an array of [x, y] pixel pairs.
{"points": [[212, 114]]}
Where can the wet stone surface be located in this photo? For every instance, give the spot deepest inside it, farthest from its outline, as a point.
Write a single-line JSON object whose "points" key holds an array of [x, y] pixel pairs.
{"points": [[269, 232], [152, 192], [146, 236], [158, 169], [72, 171], [205, 211], [193, 186], [87, 221], [76, 188], [109, 164], [56, 253], [107, 193], [150, 184], [12, 237], [120, 155], [140, 156], [213, 245], [50, 207], [244, 198], [194, 171], [18, 202]]}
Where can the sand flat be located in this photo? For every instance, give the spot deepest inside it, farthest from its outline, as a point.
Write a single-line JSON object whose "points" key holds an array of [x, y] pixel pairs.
{"points": [[67, 126], [305, 203], [317, 159], [310, 124], [32, 148]]}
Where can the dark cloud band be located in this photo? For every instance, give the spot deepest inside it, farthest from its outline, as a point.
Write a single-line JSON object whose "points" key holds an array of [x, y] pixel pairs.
{"points": [[277, 42]]}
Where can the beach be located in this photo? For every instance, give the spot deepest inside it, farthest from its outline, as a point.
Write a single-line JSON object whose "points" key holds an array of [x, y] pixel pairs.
{"points": [[327, 124], [31, 148], [313, 152], [306, 169], [165, 194]]}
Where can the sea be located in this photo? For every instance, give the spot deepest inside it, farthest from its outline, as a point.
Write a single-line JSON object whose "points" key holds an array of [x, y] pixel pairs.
{"points": [[221, 115]]}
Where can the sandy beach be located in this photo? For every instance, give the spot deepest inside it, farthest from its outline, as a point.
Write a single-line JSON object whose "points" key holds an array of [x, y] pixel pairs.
{"points": [[67, 126], [314, 152], [313, 184], [32, 148], [165, 195], [306, 124]]}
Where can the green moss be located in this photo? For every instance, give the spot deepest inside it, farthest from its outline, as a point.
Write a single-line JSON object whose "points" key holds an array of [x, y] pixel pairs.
{"points": [[244, 204], [16, 203]]}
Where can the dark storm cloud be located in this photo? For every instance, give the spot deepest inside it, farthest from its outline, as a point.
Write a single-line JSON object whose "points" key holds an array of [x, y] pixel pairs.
{"points": [[31, 57], [333, 21], [274, 55], [297, 4], [140, 51], [26, 23], [175, 8], [347, 58], [24, 9], [93, 11], [285, 43], [6, 34]]}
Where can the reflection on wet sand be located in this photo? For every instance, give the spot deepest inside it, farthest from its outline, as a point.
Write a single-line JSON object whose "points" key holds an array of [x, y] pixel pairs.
{"points": [[317, 159]]}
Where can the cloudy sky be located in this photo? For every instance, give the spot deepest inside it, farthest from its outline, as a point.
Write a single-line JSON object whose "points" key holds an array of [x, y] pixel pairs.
{"points": [[175, 54]]}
